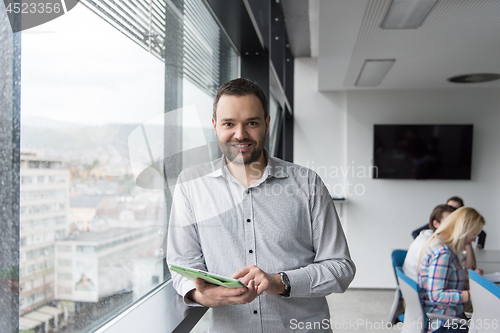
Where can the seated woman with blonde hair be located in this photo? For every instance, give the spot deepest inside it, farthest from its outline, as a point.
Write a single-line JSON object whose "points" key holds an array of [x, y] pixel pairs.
{"points": [[441, 278]]}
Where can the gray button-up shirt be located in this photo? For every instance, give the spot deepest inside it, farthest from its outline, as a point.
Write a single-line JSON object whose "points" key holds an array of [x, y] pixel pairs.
{"points": [[284, 222]]}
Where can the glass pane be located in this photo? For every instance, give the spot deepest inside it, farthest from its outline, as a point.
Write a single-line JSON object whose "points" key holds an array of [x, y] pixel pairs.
{"points": [[9, 174], [198, 129], [92, 115]]}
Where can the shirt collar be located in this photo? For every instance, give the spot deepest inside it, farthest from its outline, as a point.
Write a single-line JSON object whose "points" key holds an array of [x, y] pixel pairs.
{"points": [[274, 167], [217, 166]]}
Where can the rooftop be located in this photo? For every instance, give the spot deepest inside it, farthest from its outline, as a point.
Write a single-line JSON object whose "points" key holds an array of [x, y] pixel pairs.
{"points": [[85, 201]]}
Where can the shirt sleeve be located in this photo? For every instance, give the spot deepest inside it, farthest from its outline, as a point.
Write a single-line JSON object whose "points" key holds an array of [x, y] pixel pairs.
{"points": [[332, 269], [183, 247], [440, 266]]}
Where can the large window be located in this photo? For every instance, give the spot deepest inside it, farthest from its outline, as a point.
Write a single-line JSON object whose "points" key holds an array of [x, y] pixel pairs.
{"points": [[110, 114], [100, 109]]}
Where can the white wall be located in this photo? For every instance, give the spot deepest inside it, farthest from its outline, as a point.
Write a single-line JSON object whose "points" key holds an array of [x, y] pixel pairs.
{"points": [[320, 126], [382, 217]]}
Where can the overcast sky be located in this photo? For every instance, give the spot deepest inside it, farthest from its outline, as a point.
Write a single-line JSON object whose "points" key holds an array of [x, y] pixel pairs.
{"points": [[78, 68]]}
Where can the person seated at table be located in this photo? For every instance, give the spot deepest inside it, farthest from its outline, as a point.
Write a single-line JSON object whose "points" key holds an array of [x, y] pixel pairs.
{"points": [[441, 277], [456, 202], [410, 266]]}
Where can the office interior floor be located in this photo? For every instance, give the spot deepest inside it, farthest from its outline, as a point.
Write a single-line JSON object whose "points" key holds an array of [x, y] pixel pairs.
{"points": [[356, 310], [361, 310]]}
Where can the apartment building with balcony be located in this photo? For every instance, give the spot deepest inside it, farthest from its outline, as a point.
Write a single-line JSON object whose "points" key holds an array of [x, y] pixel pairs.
{"points": [[44, 208]]}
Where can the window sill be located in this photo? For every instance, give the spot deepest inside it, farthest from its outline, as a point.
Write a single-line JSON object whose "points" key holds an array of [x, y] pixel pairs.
{"points": [[163, 310]]}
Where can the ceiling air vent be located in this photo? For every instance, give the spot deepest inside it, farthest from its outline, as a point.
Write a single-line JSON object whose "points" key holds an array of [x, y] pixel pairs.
{"points": [[474, 78]]}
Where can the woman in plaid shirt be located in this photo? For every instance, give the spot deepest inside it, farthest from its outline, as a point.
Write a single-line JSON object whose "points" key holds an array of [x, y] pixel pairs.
{"points": [[441, 278]]}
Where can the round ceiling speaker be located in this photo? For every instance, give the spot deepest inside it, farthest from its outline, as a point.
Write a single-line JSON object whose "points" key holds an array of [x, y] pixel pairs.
{"points": [[474, 78]]}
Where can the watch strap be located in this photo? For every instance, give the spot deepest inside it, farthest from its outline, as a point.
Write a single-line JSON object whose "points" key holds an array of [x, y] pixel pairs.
{"points": [[286, 282]]}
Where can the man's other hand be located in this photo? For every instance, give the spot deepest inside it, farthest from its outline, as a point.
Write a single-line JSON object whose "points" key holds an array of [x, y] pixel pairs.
{"points": [[270, 283], [210, 295]]}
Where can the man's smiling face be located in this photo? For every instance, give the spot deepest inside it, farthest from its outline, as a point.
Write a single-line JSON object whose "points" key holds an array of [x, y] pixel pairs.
{"points": [[241, 128]]}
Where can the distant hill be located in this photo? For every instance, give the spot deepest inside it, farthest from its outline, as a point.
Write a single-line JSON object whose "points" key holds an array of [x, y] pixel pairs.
{"points": [[42, 122], [71, 141]]}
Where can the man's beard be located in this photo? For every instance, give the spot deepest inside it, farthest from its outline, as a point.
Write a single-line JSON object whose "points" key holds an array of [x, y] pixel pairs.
{"points": [[237, 157]]}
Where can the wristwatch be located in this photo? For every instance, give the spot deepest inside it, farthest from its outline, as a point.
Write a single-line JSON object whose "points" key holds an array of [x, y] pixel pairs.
{"points": [[286, 283]]}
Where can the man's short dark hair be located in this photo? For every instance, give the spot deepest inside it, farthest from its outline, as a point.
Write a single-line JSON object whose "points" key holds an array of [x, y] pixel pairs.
{"points": [[437, 214], [241, 87], [457, 199]]}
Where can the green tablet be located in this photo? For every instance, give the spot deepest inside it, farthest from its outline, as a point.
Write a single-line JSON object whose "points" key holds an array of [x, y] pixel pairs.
{"points": [[219, 280]]}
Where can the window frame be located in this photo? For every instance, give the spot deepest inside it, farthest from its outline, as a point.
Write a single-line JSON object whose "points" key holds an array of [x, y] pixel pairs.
{"points": [[10, 52]]}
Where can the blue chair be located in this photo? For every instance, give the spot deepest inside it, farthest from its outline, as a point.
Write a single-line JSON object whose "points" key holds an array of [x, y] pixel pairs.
{"points": [[485, 296], [416, 320], [397, 311]]}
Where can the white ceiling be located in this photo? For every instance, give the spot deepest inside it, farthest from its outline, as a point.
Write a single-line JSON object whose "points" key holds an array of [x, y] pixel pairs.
{"points": [[458, 37]]}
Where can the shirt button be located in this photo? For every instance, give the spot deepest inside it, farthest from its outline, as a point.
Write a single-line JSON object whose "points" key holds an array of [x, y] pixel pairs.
{"points": [[248, 220], [255, 311], [250, 251]]}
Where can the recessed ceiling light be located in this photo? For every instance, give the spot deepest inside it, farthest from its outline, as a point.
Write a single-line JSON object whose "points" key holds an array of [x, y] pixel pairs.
{"points": [[407, 14], [474, 78], [373, 72]]}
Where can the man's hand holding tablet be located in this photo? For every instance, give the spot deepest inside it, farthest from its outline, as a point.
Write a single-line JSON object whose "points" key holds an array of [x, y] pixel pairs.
{"points": [[214, 294]]}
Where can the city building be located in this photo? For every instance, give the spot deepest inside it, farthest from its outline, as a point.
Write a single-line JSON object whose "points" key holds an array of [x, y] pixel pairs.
{"points": [[92, 265], [44, 208], [83, 209]]}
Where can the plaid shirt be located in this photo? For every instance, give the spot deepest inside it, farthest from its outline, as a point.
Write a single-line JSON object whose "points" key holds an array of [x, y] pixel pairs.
{"points": [[441, 279]]}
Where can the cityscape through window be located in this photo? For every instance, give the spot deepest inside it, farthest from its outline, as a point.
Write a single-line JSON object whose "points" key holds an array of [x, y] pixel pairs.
{"points": [[100, 148]]}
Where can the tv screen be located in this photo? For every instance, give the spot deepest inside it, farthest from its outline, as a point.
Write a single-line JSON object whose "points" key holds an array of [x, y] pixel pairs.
{"points": [[422, 151]]}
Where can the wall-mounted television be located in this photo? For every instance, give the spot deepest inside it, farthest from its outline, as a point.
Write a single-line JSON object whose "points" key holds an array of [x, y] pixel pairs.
{"points": [[422, 151]]}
